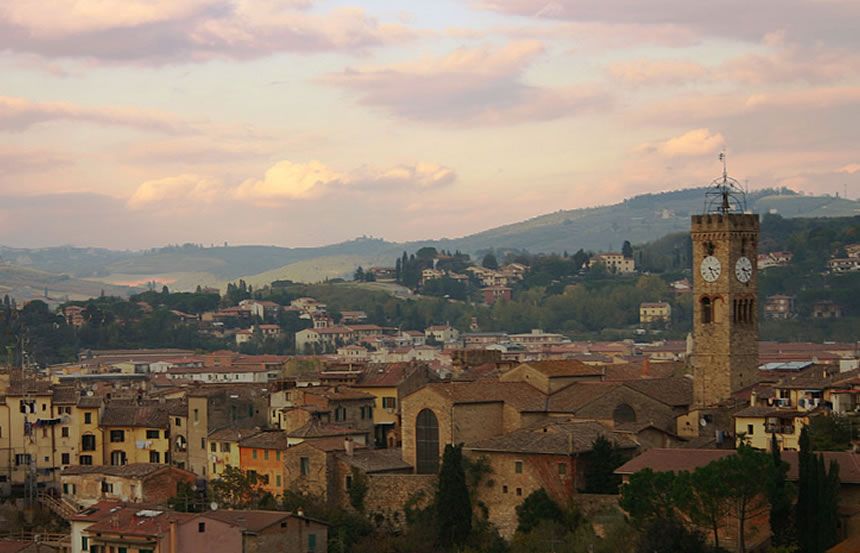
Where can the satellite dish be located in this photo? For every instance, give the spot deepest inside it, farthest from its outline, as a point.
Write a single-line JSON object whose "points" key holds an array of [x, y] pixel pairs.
{"points": [[213, 506], [702, 422]]}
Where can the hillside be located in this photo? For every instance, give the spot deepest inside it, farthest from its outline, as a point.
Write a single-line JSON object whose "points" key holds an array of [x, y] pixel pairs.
{"points": [[23, 283], [639, 219]]}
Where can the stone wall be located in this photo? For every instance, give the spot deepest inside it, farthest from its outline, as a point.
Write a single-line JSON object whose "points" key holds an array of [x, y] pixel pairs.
{"points": [[388, 494]]}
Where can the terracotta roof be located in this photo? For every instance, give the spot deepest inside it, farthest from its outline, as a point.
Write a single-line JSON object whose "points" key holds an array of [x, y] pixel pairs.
{"points": [[385, 375], [564, 367], [555, 438], [269, 439], [673, 391], [133, 470], [521, 396], [755, 411], [574, 396], [65, 395], [333, 443], [674, 460], [339, 393], [376, 460], [16, 546], [232, 434], [90, 402], [252, 521], [147, 416], [97, 511], [316, 429], [138, 521]]}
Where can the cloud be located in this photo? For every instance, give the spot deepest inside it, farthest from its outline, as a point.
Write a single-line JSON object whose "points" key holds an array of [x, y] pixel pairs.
{"points": [[656, 72], [696, 142], [849, 169], [182, 191], [16, 160], [483, 86], [164, 31], [288, 180], [20, 113], [806, 21]]}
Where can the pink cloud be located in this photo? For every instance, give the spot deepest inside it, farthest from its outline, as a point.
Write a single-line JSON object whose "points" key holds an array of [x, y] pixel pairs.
{"points": [[696, 142], [180, 192], [163, 31], [468, 86], [21, 113], [656, 72]]}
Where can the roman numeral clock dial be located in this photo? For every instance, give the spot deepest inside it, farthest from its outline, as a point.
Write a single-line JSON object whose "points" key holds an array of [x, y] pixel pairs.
{"points": [[710, 268], [743, 269]]}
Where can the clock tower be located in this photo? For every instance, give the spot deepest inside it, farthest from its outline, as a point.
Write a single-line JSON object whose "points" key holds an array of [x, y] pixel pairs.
{"points": [[725, 320]]}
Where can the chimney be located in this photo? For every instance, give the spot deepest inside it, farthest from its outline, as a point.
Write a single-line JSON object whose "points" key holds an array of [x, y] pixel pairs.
{"points": [[753, 398], [349, 446], [173, 546]]}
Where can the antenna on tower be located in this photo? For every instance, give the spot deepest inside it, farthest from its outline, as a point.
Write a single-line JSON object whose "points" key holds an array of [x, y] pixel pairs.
{"points": [[725, 194]]}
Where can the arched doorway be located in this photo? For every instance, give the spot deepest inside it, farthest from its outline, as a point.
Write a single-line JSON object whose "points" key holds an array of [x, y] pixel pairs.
{"points": [[427, 442]]}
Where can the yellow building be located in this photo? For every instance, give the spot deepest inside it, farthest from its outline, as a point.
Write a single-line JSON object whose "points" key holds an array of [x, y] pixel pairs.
{"points": [[655, 312], [224, 448], [387, 384], [32, 429], [135, 434], [755, 424], [87, 419]]}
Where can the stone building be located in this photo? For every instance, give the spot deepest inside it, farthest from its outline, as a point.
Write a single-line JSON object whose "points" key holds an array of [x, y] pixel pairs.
{"points": [[134, 483]]}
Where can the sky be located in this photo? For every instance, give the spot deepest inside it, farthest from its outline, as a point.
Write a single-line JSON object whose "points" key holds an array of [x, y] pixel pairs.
{"points": [[138, 123]]}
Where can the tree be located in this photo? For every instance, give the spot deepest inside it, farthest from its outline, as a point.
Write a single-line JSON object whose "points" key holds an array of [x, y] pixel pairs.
{"points": [[235, 488], [649, 495], [779, 498], [670, 535], [536, 507], [490, 261], [742, 478], [627, 250], [804, 516], [829, 433], [357, 489], [358, 276], [453, 506], [605, 457], [188, 499], [703, 497]]}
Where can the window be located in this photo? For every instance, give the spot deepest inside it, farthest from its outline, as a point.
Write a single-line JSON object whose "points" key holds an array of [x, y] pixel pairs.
{"points": [[117, 436], [266, 454], [166, 434], [389, 403], [348, 481], [22, 459], [305, 466], [504, 489], [312, 542], [278, 480], [518, 467], [107, 487], [64, 432], [623, 413], [225, 447], [213, 447], [202, 443], [88, 418], [86, 459], [707, 310], [154, 457], [121, 550], [152, 434], [85, 543], [562, 469], [253, 453], [118, 458], [367, 412], [178, 422], [64, 459], [750, 429], [340, 414], [277, 456], [197, 415], [427, 442], [201, 526], [519, 491]]}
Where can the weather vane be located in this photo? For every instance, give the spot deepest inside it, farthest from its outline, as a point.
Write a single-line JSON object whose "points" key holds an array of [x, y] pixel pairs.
{"points": [[725, 194]]}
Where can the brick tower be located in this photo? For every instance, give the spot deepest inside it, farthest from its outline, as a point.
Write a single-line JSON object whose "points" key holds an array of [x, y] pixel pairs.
{"points": [[725, 320]]}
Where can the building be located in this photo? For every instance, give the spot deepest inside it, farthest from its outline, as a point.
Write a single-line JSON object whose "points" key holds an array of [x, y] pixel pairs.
{"points": [[135, 433], [826, 309], [441, 334], [779, 306], [844, 264], [614, 262], [387, 384], [492, 294], [260, 455], [132, 483], [725, 321], [773, 259], [224, 449], [754, 425], [658, 312]]}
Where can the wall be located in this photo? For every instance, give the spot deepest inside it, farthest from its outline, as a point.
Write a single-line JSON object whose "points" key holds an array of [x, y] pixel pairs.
{"points": [[217, 537], [273, 466], [387, 494], [318, 481], [292, 539]]}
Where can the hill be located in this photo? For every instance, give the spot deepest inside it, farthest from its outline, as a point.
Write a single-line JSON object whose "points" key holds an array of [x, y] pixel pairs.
{"points": [[639, 219]]}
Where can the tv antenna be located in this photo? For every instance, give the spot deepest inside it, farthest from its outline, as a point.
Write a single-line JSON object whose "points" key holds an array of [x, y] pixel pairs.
{"points": [[725, 194]]}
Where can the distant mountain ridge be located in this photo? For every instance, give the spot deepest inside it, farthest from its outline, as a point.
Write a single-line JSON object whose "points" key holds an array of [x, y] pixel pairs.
{"points": [[639, 219]]}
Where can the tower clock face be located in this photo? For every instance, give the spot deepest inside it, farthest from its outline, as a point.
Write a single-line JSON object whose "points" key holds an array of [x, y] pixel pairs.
{"points": [[710, 268], [743, 269]]}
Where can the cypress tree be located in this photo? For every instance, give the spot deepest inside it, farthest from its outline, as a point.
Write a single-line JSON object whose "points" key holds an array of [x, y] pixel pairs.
{"points": [[806, 498], [780, 504], [831, 506], [453, 505]]}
